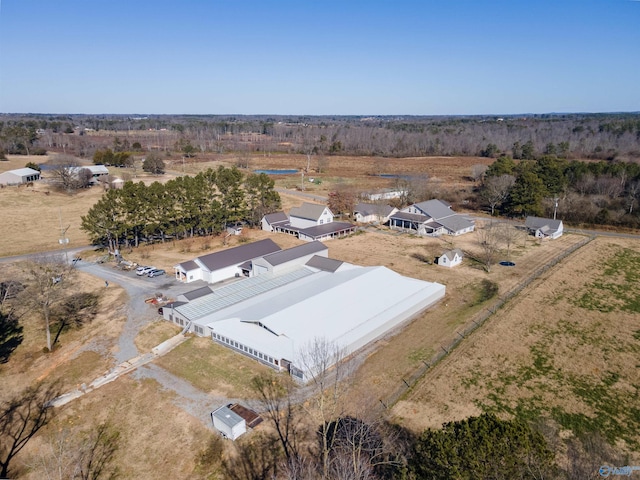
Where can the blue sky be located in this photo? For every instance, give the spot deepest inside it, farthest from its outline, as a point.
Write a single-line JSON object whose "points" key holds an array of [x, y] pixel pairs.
{"points": [[343, 57]]}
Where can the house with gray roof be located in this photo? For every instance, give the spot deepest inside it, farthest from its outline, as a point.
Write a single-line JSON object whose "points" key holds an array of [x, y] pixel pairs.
{"points": [[431, 218], [271, 220], [450, 258], [223, 264], [373, 212], [310, 215], [308, 222], [19, 176], [544, 227]]}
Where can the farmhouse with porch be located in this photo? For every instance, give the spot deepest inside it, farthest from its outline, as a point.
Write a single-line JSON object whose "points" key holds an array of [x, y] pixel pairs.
{"points": [[373, 213], [431, 218], [308, 222]]}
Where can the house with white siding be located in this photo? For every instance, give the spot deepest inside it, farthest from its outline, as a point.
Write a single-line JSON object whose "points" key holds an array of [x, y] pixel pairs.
{"points": [[431, 218], [309, 222], [544, 227], [373, 212], [223, 264], [450, 258], [310, 215]]}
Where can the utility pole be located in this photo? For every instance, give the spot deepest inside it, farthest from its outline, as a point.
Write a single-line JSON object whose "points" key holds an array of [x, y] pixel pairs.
{"points": [[63, 240]]}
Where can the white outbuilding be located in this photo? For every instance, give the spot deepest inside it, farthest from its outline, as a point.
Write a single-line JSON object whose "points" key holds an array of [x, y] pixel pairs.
{"points": [[228, 423], [277, 315], [19, 176], [451, 258]]}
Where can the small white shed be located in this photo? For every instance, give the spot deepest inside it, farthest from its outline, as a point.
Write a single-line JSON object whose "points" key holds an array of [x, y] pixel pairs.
{"points": [[451, 258], [228, 423]]}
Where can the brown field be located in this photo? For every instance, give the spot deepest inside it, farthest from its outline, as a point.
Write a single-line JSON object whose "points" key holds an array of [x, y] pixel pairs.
{"points": [[157, 436], [567, 348], [37, 214]]}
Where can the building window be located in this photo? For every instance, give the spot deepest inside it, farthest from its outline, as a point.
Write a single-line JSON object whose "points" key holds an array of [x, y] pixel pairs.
{"points": [[321, 221]]}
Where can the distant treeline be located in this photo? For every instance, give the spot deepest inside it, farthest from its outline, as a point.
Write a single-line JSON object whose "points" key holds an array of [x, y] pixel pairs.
{"points": [[180, 208], [579, 192], [598, 136]]}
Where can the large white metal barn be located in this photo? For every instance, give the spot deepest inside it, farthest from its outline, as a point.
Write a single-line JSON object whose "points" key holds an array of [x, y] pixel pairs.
{"points": [[276, 316]]}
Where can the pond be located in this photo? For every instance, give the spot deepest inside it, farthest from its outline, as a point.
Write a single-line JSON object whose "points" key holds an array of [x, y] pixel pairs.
{"points": [[277, 172], [507, 264]]}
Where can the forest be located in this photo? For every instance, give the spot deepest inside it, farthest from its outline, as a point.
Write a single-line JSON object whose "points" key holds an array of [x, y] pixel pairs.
{"points": [[573, 136], [182, 207]]}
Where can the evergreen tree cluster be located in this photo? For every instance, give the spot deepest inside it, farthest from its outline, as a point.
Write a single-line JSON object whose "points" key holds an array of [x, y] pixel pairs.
{"points": [[584, 190], [182, 207]]}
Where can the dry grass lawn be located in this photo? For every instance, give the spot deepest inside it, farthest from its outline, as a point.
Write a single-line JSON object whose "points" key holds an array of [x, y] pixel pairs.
{"points": [[483, 373], [566, 349]]}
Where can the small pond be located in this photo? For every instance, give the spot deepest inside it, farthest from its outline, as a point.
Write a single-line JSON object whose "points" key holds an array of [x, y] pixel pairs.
{"points": [[276, 172]]}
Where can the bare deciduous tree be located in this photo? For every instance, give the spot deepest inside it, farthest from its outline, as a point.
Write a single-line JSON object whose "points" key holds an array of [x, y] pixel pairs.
{"points": [[325, 371], [496, 190], [87, 456], [478, 171], [276, 396], [65, 170], [48, 277], [21, 417], [633, 190], [254, 459], [488, 242], [508, 235]]}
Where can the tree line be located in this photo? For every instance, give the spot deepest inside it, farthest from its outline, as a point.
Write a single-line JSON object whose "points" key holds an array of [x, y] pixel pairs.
{"points": [[597, 136], [312, 437], [582, 192], [183, 207]]}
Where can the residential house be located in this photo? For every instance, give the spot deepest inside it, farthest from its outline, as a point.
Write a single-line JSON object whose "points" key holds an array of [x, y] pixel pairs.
{"points": [[373, 213], [271, 220], [431, 218], [310, 215], [309, 222], [544, 227], [385, 195]]}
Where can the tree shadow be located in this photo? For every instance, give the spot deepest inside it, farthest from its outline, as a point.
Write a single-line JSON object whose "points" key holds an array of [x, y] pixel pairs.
{"points": [[10, 335]]}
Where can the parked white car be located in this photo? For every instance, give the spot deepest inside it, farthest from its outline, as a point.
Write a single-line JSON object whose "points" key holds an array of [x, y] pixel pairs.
{"points": [[144, 270]]}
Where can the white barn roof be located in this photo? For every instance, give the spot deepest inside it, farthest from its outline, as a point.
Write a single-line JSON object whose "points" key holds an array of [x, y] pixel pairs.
{"points": [[350, 307]]}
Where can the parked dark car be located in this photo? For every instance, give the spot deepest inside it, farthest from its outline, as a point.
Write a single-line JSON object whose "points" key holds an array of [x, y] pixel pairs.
{"points": [[156, 272]]}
